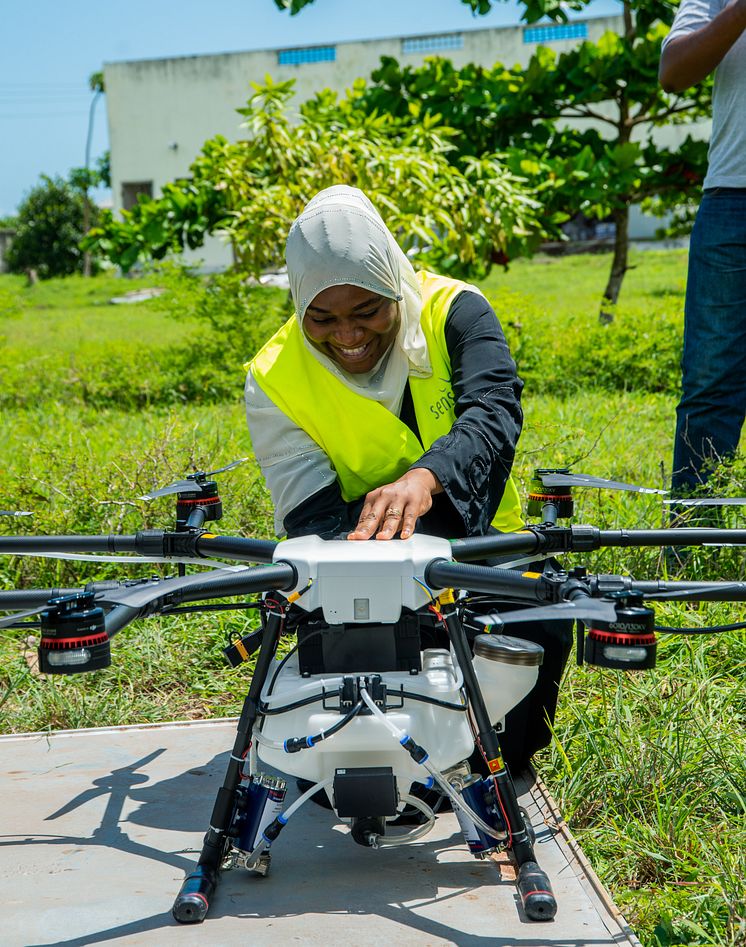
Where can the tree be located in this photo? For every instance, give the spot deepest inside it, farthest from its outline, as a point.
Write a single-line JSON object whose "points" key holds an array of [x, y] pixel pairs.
{"points": [[463, 220], [600, 169], [534, 9], [50, 228], [96, 85]]}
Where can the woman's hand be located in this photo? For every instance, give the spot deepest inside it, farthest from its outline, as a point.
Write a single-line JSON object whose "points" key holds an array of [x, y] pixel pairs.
{"points": [[395, 507]]}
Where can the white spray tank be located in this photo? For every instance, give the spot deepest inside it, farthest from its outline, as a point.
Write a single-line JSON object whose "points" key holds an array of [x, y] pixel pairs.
{"points": [[507, 669]]}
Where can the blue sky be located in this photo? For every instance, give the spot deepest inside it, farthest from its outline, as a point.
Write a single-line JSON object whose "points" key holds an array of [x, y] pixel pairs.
{"points": [[48, 49]]}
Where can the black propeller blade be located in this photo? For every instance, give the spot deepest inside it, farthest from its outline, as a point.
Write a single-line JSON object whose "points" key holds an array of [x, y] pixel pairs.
{"points": [[585, 480], [236, 463], [192, 483], [9, 620], [180, 486], [585, 610]]}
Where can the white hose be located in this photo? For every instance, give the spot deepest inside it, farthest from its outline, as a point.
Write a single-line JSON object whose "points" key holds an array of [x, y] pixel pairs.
{"points": [[284, 816], [417, 832], [274, 744], [455, 797], [304, 797]]}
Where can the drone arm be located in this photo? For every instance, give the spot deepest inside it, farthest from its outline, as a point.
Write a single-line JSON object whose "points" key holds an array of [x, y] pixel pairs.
{"points": [[498, 544], [236, 547], [28, 598], [152, 597], [690, 591], [443, 574], [671, 537], [10, 545], [119, 617]]}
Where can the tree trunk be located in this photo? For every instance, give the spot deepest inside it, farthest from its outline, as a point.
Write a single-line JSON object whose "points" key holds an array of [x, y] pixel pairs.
{"points": [[86, 227], [618, 264]]}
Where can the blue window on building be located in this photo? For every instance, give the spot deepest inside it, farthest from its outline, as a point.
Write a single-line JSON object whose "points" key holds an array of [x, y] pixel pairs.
{"points": [[550, 34], [296, 57], [432, 44]]}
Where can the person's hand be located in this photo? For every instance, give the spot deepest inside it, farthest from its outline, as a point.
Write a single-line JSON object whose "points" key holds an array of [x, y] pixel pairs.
{"points": [[395, 507]]}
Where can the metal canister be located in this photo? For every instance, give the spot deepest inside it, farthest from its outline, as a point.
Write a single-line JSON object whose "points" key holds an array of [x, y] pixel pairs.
{"points": [[478, 795], [261, 802]]}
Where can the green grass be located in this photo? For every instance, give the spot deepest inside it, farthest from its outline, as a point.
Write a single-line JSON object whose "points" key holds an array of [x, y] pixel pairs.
{"points": [[649, 768]]}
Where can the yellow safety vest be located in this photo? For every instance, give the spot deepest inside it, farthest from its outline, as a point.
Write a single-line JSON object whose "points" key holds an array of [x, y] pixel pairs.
{"points": [[367, 444]]}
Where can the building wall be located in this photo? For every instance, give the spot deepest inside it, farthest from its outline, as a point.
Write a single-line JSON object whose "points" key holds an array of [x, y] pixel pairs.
{"points": [[161, 111]]}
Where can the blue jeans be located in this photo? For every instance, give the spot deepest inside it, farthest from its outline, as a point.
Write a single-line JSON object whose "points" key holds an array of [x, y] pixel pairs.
{"points": [[713, 400]]}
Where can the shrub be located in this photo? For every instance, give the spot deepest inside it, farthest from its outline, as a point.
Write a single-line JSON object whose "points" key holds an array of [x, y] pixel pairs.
{"points": [[50, 228], [639, 351]]}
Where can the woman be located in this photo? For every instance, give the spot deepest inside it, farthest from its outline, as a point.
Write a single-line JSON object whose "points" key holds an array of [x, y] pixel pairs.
{"points": [[390, 403]]}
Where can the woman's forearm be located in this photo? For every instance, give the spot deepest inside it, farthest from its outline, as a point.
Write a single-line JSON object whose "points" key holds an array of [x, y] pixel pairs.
{"points": [[687, 60]]}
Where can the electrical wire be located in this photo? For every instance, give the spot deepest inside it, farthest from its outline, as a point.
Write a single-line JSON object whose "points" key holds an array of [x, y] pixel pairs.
{"points": [[289, 655], [186, 609], [700, 630]]}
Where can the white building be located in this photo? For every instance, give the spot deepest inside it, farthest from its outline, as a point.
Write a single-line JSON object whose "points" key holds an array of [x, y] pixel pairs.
{"points": [[160, 111]]}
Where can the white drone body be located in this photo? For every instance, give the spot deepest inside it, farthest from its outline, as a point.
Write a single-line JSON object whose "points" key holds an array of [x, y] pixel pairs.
{"points": [[371, 583]]}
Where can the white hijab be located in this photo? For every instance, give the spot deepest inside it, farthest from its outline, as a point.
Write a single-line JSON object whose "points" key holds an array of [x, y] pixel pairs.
{"points": [[340, 239]]}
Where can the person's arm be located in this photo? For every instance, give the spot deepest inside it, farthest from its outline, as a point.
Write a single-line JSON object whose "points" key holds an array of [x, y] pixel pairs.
{"points": [[692, 52], [471, 464], [325, 514]]}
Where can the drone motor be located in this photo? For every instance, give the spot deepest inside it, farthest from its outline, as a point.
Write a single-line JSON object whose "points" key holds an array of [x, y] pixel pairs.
{"points": [[629, 643], [195, 507], [549, 502], [73, 636]]}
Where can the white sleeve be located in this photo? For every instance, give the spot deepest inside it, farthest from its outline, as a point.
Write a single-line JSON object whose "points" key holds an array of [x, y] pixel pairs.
{"points": [[692, 15], [292, 463]]}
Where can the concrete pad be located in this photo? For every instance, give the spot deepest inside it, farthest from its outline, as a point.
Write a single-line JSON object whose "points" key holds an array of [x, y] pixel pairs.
{"points": [[98, 828]]}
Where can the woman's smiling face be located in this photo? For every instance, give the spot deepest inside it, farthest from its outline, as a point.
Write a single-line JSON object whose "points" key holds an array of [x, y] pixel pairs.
{"points": [[354, 326]]}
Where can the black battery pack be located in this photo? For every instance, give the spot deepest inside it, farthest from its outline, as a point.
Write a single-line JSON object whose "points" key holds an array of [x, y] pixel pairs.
{"points": [[359, 648]]}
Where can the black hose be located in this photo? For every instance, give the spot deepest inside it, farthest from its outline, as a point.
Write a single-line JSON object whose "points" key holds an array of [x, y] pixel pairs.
{"points": [[411, 695], [267, 711], [294, 744], [701, 630]]}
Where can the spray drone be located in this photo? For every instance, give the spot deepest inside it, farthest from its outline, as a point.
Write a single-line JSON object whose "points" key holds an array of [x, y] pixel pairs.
{"points": [[401, 674]]}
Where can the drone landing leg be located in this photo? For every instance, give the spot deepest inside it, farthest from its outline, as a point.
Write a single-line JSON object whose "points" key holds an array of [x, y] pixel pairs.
{"points": [[535, 889], [193, 900]]}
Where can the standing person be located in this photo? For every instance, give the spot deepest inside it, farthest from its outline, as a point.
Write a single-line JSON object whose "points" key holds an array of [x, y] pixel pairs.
{"points": [[388, 403], [707, 36]]}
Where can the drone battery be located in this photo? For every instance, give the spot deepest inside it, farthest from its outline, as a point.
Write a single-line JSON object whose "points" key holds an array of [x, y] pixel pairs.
{"points": [[346, 649], [260, 803], [365, 791], [478, 794]]}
